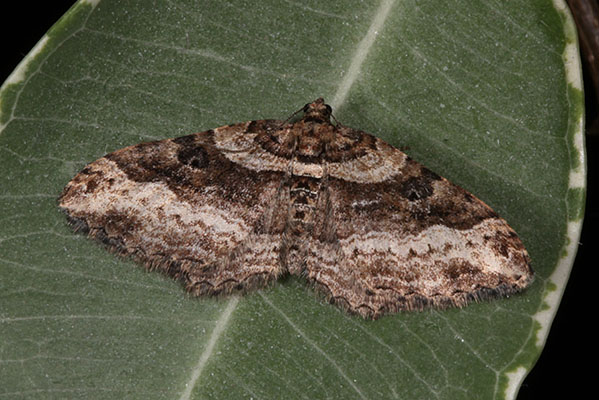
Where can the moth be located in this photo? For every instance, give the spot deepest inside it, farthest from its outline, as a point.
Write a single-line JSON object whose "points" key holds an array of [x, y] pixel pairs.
{"points": [[237, 207]]}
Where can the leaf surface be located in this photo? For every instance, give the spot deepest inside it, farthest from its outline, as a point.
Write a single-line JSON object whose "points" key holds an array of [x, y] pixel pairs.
{"points": [[484, 93]]}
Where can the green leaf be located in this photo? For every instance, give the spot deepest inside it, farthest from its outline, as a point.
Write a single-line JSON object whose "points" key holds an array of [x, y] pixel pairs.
{"points": [[487, 94]]}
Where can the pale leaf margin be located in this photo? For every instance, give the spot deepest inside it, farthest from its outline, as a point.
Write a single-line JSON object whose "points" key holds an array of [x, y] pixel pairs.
{"points": [[556, 283]]}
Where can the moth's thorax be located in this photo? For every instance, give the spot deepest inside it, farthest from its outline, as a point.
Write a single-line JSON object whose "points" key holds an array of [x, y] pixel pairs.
{"points": [[312, 139]]}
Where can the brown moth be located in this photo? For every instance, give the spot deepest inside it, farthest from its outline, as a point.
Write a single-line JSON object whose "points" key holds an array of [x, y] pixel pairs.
{"points": [[234, 208]]}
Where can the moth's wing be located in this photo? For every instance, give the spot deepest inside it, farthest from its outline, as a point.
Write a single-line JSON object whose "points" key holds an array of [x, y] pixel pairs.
{"points": [[397, 236], [195, 207]]}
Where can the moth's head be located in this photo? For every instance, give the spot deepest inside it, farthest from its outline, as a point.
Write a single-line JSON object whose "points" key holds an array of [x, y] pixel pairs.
{"points": [[317, 111]]}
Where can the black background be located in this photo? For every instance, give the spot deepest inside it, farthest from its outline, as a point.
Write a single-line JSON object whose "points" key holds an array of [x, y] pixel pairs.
{"points": [[562, 367]]}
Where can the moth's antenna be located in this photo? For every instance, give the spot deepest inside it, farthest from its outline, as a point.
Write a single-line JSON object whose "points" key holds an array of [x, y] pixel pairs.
{"points": [[336, 120], [293, 115]]}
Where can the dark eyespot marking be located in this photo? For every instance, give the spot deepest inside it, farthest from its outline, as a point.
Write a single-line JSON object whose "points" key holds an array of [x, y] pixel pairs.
{"points": [[416, 188], [195, 157]]}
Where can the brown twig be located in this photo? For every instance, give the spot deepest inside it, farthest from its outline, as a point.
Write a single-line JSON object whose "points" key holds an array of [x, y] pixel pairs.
{"points": [[586, 16]]}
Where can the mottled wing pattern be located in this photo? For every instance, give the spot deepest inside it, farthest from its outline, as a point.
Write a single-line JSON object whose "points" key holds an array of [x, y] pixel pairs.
{"points": [[186, 207], [404, 238], [233, 208]]}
